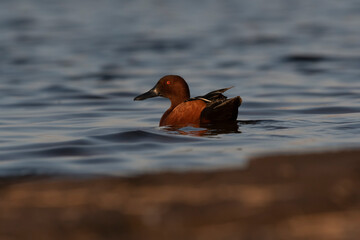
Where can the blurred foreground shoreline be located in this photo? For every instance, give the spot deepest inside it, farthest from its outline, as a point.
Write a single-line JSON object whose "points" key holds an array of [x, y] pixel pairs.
{"points": [[302, 196]]}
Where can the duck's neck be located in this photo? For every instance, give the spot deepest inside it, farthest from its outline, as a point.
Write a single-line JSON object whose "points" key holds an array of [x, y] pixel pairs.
{"points": [[175, 102], [180, 97]]}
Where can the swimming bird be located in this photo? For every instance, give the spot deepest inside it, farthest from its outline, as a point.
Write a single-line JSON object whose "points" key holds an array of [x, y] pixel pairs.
{"points": [[213, 107]]}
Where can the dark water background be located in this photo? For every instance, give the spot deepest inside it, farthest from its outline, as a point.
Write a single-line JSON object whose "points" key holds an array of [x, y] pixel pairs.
{"points": [[70, 70]]}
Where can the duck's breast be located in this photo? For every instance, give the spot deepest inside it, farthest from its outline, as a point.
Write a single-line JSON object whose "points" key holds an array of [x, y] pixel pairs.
{"points": [[184, 114]]}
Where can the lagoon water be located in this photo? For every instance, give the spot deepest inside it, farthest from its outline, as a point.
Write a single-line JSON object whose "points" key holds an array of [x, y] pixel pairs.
{"points": [[70, 70]]}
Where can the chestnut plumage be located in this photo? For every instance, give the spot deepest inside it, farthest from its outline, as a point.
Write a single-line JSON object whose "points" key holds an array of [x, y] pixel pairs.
{"points": [[213, 107]]}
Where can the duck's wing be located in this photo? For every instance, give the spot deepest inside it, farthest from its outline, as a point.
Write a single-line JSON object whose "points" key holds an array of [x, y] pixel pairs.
{"points": [[221, 111], [212, 96]]}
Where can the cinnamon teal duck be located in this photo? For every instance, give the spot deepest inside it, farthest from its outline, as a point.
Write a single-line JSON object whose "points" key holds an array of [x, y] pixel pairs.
{"points": [[213, 107]]}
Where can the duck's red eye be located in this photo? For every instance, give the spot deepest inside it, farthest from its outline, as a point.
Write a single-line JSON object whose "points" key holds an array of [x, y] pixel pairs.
{"points": [[168, 82]]}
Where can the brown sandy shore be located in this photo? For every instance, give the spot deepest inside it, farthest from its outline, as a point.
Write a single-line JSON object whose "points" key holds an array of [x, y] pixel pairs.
{"points": [[307, 196]]}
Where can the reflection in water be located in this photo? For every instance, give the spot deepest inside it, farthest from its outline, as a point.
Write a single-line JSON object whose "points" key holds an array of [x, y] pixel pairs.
{"points": [[206, 129]]}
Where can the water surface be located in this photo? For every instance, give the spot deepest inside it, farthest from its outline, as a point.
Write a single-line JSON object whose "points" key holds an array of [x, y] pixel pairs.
{"points": [[70, 71]]}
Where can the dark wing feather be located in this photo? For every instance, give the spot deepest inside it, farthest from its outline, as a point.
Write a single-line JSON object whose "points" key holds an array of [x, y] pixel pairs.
{"points": [[221, 111], [212, 96]]}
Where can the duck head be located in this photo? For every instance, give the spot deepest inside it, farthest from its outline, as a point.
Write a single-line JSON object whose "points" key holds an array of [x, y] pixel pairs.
{"points": [[172, 87]]}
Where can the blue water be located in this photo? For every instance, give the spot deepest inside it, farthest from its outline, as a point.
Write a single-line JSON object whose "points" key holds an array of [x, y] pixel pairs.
{"points": [[70, 70]]}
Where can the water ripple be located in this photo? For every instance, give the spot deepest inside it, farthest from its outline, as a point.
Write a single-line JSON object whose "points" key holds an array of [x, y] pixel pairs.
{"points": [[329, 110], [143, 136]]}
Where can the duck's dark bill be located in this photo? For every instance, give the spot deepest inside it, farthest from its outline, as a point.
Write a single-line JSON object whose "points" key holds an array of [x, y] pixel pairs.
{"points": [[149, 94]]}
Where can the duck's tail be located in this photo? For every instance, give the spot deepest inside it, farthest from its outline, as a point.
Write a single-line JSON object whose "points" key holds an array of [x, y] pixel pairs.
{"points": [[221, 111]]}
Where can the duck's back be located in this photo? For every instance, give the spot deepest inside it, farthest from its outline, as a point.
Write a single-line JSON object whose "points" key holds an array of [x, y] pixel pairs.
{"points": [[221, 111], [213, 107], [218, 107]]}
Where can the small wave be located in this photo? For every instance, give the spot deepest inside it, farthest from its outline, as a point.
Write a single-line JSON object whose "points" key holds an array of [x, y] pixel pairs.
{"points": [[22, 60], [72, 148], [349, 126], [103, 76], [158, 45], [253, 104], [55, 88], [253, 122], [28, 104], [304, 58], [259, 40], [87, 97], [78, 142], [70, 93], [316, 58], [97, 160], [309, 93], [65, 151], [123, 94], [329, 110], [20, 22], [142, 136]]}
